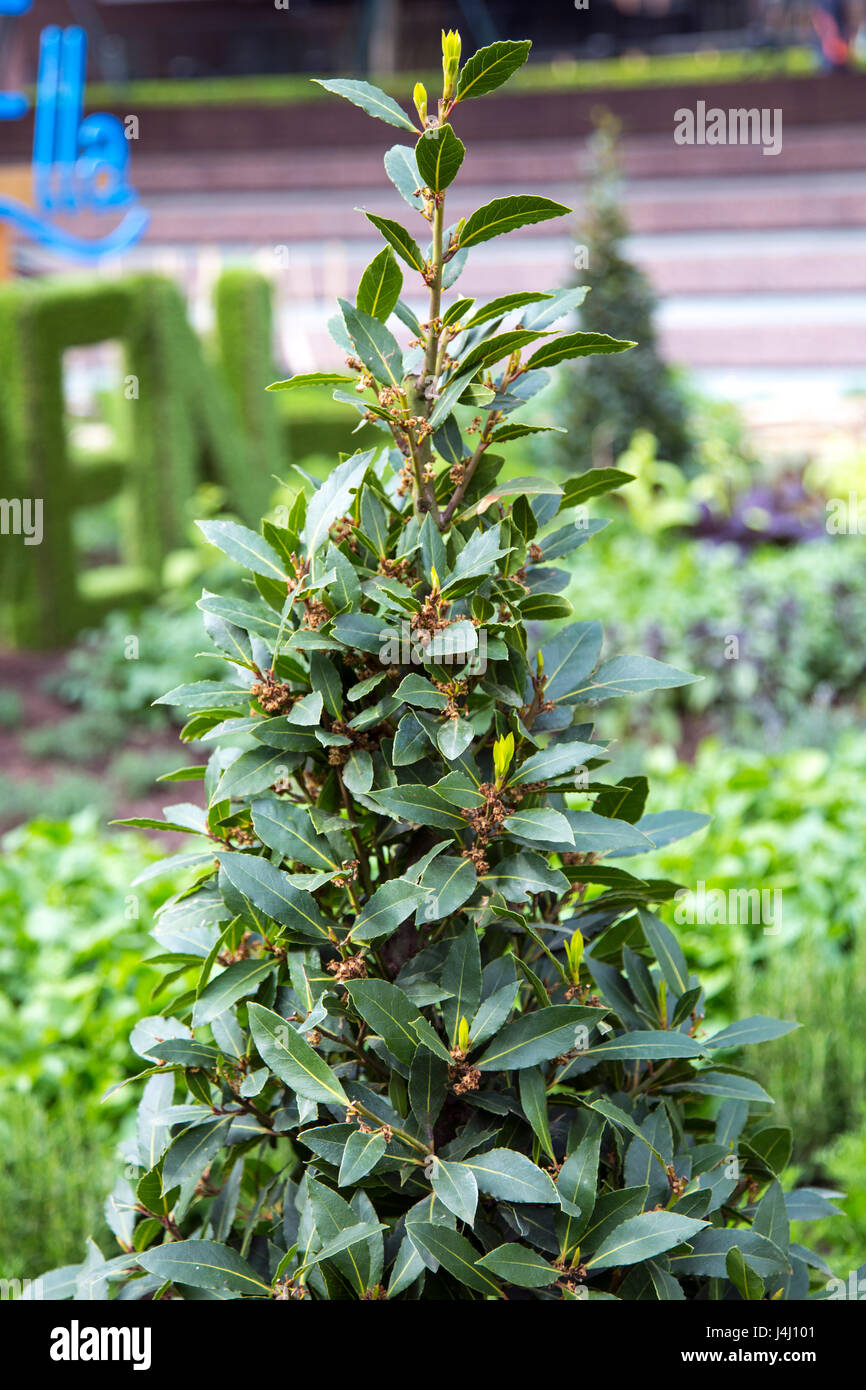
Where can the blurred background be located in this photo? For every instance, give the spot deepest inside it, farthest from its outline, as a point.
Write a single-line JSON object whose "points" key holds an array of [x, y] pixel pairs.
{"points": [[132, 402]]}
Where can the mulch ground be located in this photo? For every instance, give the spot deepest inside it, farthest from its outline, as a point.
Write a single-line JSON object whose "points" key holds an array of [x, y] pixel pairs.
{"points": [[25, 674]]}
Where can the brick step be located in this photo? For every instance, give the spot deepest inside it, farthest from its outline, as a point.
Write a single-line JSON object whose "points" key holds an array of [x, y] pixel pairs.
{"points": [[804, 150], [794, 262], [763, 346], [799, 262], [717, 205], [334, 268]]}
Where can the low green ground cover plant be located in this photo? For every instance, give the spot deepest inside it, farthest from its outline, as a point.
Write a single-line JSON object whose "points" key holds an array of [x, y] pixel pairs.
{"points": [[74, 930], [57, 1165], [770, 815], [777, 635], [628, 70]]}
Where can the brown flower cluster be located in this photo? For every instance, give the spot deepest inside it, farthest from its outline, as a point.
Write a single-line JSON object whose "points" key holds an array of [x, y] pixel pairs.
{"points": [[316, 613], [274, 696], [396, 569], [461, 1076], [351, 867], [485, 821], [476, 856], [352, 968], [452, 690], [241, 953], [676, 1185], [343, 529]]}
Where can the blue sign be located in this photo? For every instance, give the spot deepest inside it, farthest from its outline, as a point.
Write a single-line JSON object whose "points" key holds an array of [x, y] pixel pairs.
{"points": [[80, 163], [12, 104]]}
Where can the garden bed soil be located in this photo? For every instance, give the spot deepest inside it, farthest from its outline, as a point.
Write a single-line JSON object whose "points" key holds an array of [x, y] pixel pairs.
{"points": [[26, 675]]}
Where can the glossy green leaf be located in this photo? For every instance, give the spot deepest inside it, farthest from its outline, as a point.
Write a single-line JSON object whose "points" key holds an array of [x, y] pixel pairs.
{"points": [[511, 1177], [389, 1012], [506, 215], [519, 875], [424, 805], [517, 1264], [456, 1188], [504, 304], [428, 1086], [710, 1249], [576, 1186], [593, 483], [533, 1101], [244, 546], [632, 675], [331, 500], [742, 1276], [397, 237], [727, 1084], [270, 890], [193, 1149], [362, 1152], [454, 737], [439, 155], [370, 99], [402, 169], [569, 658], [648, 1045], [358, 772], [537, 1037], [236, 982], [376, 345], [326, 681], [305, 379], [756, 1029], [203, 1264], [287, 828], [290, 1057], [553, 761], [447, 884], [494, 349], [390, 905], [539, 824], [666, 950], [454, 1253], [490, 67], [576, 345], [380, 286], [642, 1237]]}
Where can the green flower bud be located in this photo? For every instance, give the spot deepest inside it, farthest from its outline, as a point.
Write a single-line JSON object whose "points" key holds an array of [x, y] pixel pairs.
{"points": [[451, 46], [419, 96]]}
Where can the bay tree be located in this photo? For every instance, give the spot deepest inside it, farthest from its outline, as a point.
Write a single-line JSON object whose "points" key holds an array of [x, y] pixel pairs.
{"points": [[423, 1032]]}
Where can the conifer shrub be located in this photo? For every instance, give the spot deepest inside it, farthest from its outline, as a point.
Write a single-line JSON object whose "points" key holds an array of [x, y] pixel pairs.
{"points": [[421, 1037], [607, 402]]}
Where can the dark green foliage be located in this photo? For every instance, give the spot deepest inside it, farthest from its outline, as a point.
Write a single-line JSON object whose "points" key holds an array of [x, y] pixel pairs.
{"points": [[609, 400], [420, 1036]]}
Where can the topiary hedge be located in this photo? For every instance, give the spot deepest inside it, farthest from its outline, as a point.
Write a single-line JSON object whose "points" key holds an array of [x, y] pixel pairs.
{"points": [[179, 418]]}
